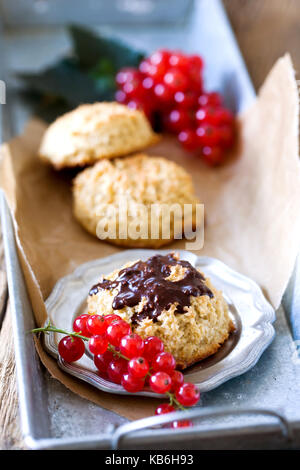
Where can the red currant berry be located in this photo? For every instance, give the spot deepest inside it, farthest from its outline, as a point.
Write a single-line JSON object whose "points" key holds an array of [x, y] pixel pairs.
{"points": [[135, 104], [160, 382], [157, 71], [158, 64], [138, 367], [132, 384], [208, 135], [179, 61], [164, 362], [177, 120], [116, 331], [96, 325], [187, 394], [134, 88], [196, 61], [115, 370], [194, 71], [226, 136], [188, 139], [145, 66], [176, 80], [182, 424], [208, 115], [224, 116], [102, 361], [121, 97], [164, 408], [186, 99], [160, 56], [177, 379], [109, 319], [162, 93], [213, 156], [142, 105], [152, 347], [80, 325], [148, 83], [71, 348], [210, 99], [132, 345], [197, 85], [98, 344], [126, 75]]}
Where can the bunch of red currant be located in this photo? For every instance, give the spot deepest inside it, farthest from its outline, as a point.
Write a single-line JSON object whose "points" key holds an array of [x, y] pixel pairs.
{"points": [[123, 357], [168, 85]]}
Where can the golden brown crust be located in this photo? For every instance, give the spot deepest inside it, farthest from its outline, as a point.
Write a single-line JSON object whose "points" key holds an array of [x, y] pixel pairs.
{"points": [[209, 351], [140, 181], [190, 337], [95, 131]]}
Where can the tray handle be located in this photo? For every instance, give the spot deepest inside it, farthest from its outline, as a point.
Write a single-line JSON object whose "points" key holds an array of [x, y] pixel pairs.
{"points": [[152, 421]]}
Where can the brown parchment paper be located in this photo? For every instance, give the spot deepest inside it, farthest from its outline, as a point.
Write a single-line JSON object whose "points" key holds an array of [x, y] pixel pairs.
{"points": [[252, 208]]}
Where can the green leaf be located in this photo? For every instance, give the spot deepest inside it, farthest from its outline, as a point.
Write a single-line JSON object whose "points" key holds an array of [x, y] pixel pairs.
{"points": [[90, 75], [90, 48], [103, 67], [66, 80]]}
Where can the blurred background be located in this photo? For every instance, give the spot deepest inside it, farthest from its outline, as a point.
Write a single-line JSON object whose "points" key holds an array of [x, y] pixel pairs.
{"points": [[57, 54], [35, 35], [72, 50], [265, 29]]}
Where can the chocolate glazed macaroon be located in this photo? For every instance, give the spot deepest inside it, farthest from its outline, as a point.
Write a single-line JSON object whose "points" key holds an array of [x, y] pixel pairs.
{"points": [[168, 298]]}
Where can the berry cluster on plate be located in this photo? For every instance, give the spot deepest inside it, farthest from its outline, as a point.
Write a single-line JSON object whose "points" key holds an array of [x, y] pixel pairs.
{"points": [[124, 358], [168, 87]]}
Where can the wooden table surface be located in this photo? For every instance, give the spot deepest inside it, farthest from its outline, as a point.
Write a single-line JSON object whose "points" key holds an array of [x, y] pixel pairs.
{"points": [[265, 30]]}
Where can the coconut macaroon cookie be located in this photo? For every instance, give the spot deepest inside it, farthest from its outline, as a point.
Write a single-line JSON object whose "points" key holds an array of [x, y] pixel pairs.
{"points": [[129, 201], [168, 298], [95, 131]]}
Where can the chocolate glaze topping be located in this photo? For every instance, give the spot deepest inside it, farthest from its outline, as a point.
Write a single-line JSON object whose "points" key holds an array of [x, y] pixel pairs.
{"points": [[148, 279]]}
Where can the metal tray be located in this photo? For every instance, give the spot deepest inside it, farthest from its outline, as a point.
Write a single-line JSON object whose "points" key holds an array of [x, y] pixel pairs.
{"points": [[260, 409]]}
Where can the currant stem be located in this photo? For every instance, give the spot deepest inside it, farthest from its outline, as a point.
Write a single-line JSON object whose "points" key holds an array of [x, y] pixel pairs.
{"points": [[173, 400], [53, 329], [117, 353]]}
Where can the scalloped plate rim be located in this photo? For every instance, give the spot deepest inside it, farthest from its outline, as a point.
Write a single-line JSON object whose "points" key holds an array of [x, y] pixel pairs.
{"points": [[264, 325]]}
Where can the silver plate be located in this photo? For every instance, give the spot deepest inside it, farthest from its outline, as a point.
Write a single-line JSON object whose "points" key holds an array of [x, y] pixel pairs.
{"points": [[250, 311]]}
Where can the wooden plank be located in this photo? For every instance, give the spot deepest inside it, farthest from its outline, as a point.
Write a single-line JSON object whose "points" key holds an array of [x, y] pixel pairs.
{"points": [[265, 30], [3, 283], [10, 435]]}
